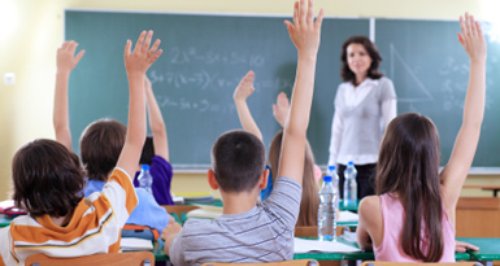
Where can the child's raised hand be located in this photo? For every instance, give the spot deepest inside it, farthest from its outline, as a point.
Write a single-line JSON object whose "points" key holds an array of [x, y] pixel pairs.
{"points": [[144, 54], [245, 88], [305, 32], [281, 108], [66, 59], [147, 82], [471, 38]]}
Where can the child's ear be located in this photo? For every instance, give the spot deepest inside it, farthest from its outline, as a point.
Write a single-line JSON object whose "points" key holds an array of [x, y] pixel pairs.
{"points": [[212, 181], [263, 179]]}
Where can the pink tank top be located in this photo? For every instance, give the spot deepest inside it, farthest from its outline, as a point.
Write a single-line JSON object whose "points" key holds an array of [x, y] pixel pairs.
{"points": [[391, 249]]}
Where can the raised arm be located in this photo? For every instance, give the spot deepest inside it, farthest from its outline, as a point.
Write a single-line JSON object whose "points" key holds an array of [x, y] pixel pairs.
{"points": [[244, 89], [305, 34], [454, 174], [66, 62], [156, 122], [137, 62], [281, 108]]}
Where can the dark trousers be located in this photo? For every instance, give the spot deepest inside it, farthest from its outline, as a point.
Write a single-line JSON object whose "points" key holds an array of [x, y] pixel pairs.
{"points": [[365, 180]]}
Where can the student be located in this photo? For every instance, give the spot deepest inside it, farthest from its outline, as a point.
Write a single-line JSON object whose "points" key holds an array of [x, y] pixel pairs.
{"points": [[308, 215], [412, 217], [155, 151], [100, 145], [247, 231], [48, 181]]}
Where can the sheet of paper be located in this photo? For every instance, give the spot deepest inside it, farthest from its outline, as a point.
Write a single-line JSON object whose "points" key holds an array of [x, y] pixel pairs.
{"points": [[134, 243], [306, 245], [205, 212], [347, 216]]}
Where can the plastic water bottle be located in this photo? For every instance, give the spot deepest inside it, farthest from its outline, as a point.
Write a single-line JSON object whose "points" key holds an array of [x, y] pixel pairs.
{"points": [[145, 178], [327, 224], [331, 171], [350, 185]]}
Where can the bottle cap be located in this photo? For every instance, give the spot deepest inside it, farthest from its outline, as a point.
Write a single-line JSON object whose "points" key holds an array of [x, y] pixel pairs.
{"points": [[331, 168], [350, 163], [144, 167], [327, 178]]}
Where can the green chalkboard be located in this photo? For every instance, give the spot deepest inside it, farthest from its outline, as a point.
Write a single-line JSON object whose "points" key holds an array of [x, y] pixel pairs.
{"points": [[430, 72], [194, 80], [206, 56]]}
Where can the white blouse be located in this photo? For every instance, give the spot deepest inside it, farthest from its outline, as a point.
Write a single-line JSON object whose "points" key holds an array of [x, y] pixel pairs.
{"points": [[361, 115]]}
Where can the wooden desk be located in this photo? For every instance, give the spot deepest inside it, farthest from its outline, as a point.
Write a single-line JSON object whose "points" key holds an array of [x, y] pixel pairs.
{"points": [[360, 255], [478, 217], [493, 188], [489, 249]]}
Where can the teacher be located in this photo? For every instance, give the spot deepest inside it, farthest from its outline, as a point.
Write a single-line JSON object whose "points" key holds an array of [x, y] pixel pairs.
{"points": [[365, 103]]}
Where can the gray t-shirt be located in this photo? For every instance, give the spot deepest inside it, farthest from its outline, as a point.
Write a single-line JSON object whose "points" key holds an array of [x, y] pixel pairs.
{"points": [[263, 234]]}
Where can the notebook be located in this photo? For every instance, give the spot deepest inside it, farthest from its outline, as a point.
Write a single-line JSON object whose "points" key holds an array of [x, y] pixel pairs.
{"points": [[134, 244], [305, 246]]}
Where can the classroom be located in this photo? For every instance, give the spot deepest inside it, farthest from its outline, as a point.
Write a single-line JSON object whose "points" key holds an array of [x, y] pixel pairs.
{"points": [[32, 31]]}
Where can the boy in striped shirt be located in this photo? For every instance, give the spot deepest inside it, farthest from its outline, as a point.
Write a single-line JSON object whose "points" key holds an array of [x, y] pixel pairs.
{"points": [[249, 231], [48, 180]]}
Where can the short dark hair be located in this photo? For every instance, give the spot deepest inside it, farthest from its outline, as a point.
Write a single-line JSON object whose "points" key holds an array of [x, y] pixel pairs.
{"points": [[48, 179], [238, 159], [148, 151], [100, 146], [371, 49]]}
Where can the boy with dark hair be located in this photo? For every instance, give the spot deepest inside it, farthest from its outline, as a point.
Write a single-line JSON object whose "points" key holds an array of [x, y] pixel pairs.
{"points": [[100, 146], [248, 231], [48, 181]]}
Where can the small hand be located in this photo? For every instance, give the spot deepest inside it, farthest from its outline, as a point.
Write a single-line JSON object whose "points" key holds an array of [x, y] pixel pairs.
{"points": [[66, 59], [245, 88], [281, 108], [172, 228], [471, 38], [305, 32], [143, 56], [461, 246]]}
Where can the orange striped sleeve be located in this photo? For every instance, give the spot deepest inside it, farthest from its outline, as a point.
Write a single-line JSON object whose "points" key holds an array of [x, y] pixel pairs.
{"points": [[77, 227], [119, 176]]}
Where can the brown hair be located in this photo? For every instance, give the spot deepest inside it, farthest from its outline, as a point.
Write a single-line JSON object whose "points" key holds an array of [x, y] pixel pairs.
{"points": [[48, 179], [308, 215], [408, 168], [100, 146], [238, 159], [148, 151], [373, 73]]}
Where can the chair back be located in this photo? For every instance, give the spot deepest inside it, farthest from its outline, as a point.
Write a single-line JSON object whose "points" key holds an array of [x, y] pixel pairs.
{"points": [[385, 263], [281, 263], [113, 259]]}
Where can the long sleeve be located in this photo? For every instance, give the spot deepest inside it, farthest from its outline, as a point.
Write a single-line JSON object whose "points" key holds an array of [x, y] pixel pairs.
{"points": [[389, 103], [337, 126]]}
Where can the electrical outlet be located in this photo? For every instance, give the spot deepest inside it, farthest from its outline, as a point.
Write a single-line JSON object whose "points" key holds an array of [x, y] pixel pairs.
{"points": [[9, 79]]}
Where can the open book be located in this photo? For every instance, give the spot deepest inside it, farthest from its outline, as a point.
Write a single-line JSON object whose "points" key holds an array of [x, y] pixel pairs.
{"points": [[306, 245], [205, 212], [347, 216], [135, 244]]}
